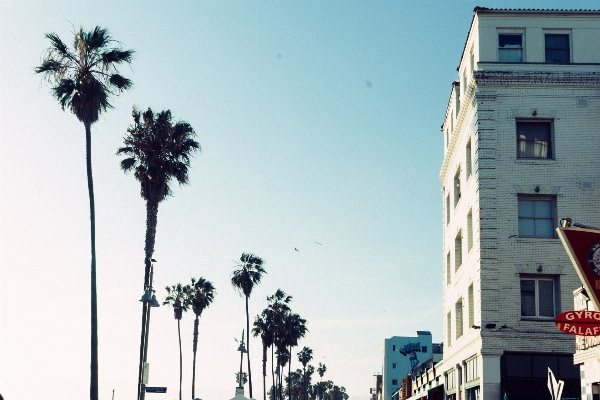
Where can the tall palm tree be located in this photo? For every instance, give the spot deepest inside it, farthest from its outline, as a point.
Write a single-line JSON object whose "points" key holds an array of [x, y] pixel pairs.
{"points": [[201, 294], [248, 274], [263, 328], [305, 356], [178, 299], [83, 79], [158, 151]]}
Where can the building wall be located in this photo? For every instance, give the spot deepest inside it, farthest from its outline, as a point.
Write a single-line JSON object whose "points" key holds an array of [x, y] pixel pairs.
{"points": [[392, 355], [483, 110]]}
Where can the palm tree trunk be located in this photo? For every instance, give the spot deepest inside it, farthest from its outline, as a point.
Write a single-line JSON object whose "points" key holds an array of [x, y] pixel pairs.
{"points": [[194, 366], [151, 221], [273, 389], [264, 360], [289, 369], [248, 347], [94, 298], [180, 357]]}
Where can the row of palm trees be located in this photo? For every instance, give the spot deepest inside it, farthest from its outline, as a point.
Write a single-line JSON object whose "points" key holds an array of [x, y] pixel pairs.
{"points": [[198, 296], [158, 150]]}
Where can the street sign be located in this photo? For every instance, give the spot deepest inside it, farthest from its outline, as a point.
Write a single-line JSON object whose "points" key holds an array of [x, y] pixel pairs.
{"points": [[150, 389], [583, 247], [582, 323]]}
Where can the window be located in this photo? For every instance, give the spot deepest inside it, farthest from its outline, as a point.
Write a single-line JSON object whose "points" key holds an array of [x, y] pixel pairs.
{"points": [[394, 365], [393, 347], [471, 306], [458, 314], [394, 381], [468, 163], [470, 230], [534, 139], [538, 299], [558, 49], [423, 349], [448, 209], [448, 269], [449, 328], [458, 251], [456, 187], [537, 216], [510, 47]]}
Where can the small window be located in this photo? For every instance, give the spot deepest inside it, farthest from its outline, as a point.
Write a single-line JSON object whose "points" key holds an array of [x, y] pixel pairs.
{"points": [[471, 306], [448, 269], [537, 216], [394, 366], [423, 349], [458, 251], [510, 47], [448, 209], [538, 298], [458, 314], [394, 381], [534, 139], [468, 161], [470, 230], [394, 347], [449, 328], [456, 187], [558, 49]]}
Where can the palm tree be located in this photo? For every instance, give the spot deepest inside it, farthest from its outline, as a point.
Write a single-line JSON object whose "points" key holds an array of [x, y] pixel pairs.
{"points": [[321, 370], [263, 328], [294, 328], [305, 356], [248, 273], [201, 294], [279, 310], [178, 299], [159, 151], [83, 79]]}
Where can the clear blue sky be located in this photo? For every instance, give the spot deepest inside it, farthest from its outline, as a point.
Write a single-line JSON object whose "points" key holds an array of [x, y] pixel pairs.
{"points": [[319, 122]]}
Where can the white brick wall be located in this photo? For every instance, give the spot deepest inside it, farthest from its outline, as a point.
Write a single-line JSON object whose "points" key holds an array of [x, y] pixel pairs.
{"points": [[491, 102]]}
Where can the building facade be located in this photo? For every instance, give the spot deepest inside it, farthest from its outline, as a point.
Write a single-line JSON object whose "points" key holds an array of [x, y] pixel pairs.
{"points": [[398, 353], [522, 144]]}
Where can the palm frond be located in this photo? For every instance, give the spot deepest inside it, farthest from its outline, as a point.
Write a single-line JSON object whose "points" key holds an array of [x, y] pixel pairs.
{"points": [[63, 92], [96, 39], [127, 164], [116, 56], [120, 82], [57, 44]]}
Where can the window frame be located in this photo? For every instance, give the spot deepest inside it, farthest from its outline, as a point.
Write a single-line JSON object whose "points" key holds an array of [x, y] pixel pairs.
{"points": [[458, 250], [530, 142], [457, 187], [506, 50], [537, 198], [568, 49], [458, 317], [555, 296]]}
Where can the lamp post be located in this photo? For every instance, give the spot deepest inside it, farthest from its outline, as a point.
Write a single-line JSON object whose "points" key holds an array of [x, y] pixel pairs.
{"points": [[242, 350], [149, 301]]}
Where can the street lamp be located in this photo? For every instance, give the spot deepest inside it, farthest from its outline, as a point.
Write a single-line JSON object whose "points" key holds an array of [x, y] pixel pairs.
{"points": [[242, 350], [149, 301]]}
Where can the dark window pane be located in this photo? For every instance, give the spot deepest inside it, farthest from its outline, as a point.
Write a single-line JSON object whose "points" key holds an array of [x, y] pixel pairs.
{"points": [[528, 298], [509, 40], [534, 139], [526, 227], [558, 49], [527, 208], [518, 365], [566, 369], [541, 364], [546, 298], [544, 228]]}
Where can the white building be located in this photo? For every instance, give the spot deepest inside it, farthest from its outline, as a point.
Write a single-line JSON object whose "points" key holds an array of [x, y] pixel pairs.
{"points": [[397, 365], [522, 150]]}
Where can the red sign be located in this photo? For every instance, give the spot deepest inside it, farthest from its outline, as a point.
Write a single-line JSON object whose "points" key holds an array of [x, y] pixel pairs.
{"points": [[582, 323], [583, 247]]}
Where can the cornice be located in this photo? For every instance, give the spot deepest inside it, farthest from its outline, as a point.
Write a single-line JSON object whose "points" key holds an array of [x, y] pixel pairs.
{"points": [[503, 78]]}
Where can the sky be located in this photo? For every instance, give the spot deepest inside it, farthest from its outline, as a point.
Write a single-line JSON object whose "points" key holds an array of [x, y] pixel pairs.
{"points": [[319, 123]]}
